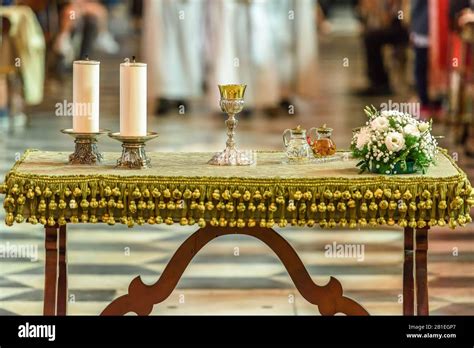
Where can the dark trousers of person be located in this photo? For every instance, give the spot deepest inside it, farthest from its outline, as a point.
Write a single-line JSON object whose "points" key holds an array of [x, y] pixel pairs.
{"points": [[89, 29], [89, 33], [374, 41], [421, 74]]}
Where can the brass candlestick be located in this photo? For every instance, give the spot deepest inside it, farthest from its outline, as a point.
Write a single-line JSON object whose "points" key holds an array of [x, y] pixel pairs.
{"points": [[232, 102], [133, 150], [85, 151]]}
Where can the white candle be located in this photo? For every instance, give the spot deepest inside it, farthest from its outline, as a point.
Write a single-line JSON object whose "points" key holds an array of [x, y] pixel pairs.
{"points": [[133, 97], [85, 96]]}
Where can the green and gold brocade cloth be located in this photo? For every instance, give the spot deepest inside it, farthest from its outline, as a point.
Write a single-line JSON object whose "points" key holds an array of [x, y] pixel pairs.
{"points": [[182, 188]]}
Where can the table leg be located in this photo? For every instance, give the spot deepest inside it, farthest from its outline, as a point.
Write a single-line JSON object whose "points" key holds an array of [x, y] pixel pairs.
{"points": [[408, 280], [141, 298], [62, 278], [51, 270], [422, 305]]}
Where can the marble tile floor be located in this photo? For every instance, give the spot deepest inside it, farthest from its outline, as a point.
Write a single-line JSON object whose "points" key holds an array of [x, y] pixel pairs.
{"points": [[235, 274], [217, 281]]}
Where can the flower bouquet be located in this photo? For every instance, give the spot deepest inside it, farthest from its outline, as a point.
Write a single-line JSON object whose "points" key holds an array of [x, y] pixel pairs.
{"points": [[393, 142]]}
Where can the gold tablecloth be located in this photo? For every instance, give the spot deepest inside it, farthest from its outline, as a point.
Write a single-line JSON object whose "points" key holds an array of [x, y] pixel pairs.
{"points": [[182, 187]]}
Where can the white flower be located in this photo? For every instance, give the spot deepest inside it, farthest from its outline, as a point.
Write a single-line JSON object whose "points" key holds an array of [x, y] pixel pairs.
{"points": [[380, 123], [423, 126], [410, 129], [394, 141], [363, 138]]}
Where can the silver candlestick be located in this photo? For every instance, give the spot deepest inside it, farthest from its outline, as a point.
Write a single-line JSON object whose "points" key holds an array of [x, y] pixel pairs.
{"points": [[133, 150], [85, 151], [232, 102]]}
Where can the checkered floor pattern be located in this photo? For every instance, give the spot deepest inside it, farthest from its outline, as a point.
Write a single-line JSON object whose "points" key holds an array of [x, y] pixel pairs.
{"points": [[234, 274]]}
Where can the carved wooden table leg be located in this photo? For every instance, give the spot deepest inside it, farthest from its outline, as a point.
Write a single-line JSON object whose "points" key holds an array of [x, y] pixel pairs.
{"points": [[51, 270], [408, 281], [422, 303], [141, 297], [62, 278]]}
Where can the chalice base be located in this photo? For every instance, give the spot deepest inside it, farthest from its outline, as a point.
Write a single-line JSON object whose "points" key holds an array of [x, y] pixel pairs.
{"points": [[232, 157]]}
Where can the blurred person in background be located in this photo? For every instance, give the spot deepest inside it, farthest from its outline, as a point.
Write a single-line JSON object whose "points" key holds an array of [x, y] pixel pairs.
{"points": [[419, 37], [6, 68], [461, 12], [239, 42], [295, 41], [439, 63], [173, 47], [384, 23], [22, 68], [461, 16], [136, 10], [429, 36], [93, 17]]}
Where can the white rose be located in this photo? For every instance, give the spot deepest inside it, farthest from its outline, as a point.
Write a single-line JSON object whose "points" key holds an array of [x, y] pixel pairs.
{"points": [[410, 129], [423, 127], [363, 138], [380, 123], [394, 141]]}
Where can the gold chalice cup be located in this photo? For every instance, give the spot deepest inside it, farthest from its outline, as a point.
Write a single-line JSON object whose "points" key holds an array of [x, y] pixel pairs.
{"points": [[232, 92]]}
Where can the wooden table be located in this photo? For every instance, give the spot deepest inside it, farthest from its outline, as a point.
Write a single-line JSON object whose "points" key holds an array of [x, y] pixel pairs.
{"points": [[251, 201]]}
